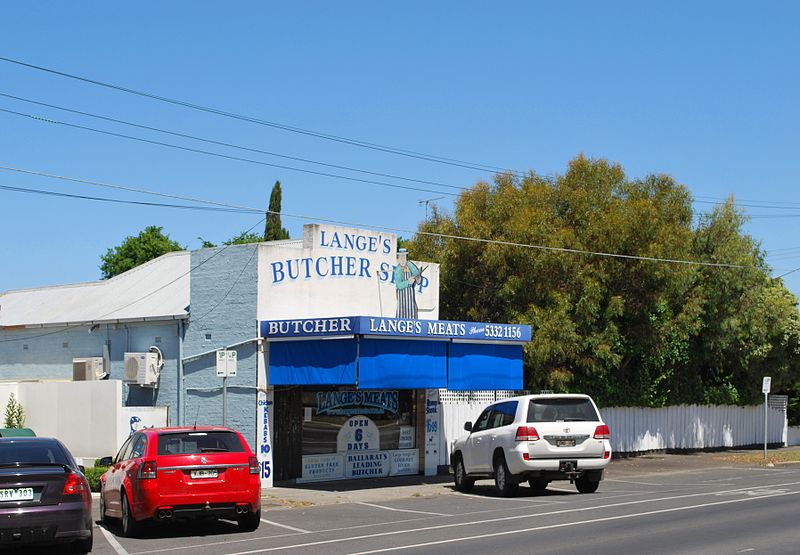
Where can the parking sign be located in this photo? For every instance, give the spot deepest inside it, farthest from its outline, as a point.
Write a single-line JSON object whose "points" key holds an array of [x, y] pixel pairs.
{"points": [[231, 366], [222, 361]]}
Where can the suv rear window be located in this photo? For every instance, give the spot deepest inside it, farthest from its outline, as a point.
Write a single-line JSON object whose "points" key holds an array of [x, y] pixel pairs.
{"points": [[192, 443], [564, 409]]}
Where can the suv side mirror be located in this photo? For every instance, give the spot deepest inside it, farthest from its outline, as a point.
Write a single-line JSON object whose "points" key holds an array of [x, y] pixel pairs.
{"points": [[468, 426], [106, 461]]}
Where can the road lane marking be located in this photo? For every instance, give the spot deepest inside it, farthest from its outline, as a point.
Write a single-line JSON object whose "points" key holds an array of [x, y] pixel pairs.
{"points": [[564, 525], [632, 482], [401, 510], [113, 541], [279, 525], [543, 499], [504, 519], [465, 514], [551, 488]]}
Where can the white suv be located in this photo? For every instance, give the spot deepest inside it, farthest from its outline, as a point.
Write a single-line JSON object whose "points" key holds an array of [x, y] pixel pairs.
{"points": [[538, 438]]}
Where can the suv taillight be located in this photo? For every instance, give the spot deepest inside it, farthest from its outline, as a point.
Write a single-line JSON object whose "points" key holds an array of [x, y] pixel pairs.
{"points": [[148, 470], [527, 433], [253, 464], [602, 432]]}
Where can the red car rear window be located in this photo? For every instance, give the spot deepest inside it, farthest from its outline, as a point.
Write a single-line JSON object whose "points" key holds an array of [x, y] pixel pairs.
{"points": [[191, 443]]}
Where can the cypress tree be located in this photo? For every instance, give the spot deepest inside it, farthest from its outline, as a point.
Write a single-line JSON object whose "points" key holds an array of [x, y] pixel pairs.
{"points": [[272, 229]]}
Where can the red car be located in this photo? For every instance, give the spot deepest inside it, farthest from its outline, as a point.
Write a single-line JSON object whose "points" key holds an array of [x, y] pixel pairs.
{"points": [[165, 474]]}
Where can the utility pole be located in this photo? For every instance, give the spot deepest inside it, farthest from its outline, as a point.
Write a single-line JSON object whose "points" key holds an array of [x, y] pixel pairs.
{"points": [[765, 387]]}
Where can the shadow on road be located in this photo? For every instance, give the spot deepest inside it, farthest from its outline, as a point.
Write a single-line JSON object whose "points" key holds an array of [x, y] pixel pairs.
{"points": [[179, 529]]}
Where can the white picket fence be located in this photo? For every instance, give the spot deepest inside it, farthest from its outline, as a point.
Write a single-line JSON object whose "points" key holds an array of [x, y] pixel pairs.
{"points": [[636, 430], [793, 435]]}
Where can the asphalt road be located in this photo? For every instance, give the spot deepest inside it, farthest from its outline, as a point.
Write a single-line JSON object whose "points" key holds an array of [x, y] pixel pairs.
{"points": [[730, 509]]}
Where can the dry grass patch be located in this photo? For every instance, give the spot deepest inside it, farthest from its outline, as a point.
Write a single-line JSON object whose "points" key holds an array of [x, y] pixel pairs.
{"points": [[774, 457]]}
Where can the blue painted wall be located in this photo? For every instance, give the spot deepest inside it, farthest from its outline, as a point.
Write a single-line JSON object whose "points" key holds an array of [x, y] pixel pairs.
{"points": [[223, 313], [47, 353]]}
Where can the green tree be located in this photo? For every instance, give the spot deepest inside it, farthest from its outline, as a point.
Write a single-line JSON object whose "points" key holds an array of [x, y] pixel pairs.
{"points": [[15, 413], [244, 238], [149, 244], [272, 228], [629, 332]]}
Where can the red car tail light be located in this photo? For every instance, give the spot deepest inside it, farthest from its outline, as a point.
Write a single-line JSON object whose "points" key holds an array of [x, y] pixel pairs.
{"points": [[252, 462], [527, 433], [74, 485], [602, 432], [148, 470], [77, 485]]}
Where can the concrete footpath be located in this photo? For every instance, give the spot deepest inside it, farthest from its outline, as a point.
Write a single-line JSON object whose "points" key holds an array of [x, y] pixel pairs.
{"points": [[400, 487]]}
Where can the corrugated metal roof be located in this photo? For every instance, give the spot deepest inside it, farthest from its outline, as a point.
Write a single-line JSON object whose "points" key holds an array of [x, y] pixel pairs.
{"points": [[156, 290]]}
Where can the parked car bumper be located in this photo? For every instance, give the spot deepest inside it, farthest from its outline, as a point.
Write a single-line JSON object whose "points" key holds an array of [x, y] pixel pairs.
{"points": [[221, 505], [552, 466], [50, 523]]}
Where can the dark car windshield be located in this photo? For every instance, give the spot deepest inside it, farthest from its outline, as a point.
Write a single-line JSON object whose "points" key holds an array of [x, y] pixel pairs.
{"points": [[191, 443], [566, 409], [31, 452]]}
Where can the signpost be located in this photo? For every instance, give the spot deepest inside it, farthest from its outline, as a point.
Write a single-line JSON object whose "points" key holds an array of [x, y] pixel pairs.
{"points": [[226, 367], [765, 387]]}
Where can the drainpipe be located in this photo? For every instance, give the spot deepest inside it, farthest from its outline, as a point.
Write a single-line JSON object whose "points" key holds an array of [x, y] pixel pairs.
{"points": [[181, 392]]}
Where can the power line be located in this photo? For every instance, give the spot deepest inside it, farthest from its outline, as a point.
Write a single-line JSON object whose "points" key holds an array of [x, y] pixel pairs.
{"points": [[134, 202], [225, 156], [697, 200], [229, 145], [276, 125], [124, 188], [294, 129], [493, 241], [787, 273]]}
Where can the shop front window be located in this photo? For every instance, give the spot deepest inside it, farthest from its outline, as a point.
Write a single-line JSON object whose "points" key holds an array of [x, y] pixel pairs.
{"points": [[379, 420]]}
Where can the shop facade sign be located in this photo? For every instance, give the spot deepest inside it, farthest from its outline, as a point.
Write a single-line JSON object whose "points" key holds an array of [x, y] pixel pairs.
{"points": [[394, 327], [264, 406], [338, 270], [431, 432], [319, 468], [404, 462], [356, 402]]}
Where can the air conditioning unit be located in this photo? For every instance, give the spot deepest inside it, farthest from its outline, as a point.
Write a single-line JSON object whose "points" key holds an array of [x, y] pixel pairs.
{"points": [[142, 369], [87, 369]]}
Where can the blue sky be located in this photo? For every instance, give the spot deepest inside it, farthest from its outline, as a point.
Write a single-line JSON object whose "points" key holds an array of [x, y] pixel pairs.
{"points": [[704, 91]]}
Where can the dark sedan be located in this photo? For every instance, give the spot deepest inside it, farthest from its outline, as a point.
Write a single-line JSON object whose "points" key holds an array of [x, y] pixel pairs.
{"points": [[44, 496]]}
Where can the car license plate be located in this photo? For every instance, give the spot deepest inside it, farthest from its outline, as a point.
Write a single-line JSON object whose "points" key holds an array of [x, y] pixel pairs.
{"points": [[204, 473], [16, 494], [565, 443]]}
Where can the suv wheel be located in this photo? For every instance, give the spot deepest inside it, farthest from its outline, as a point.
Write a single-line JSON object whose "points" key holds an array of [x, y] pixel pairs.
{"points": [[464, 484], [585, 485], [538, 484], [504, 482]]}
